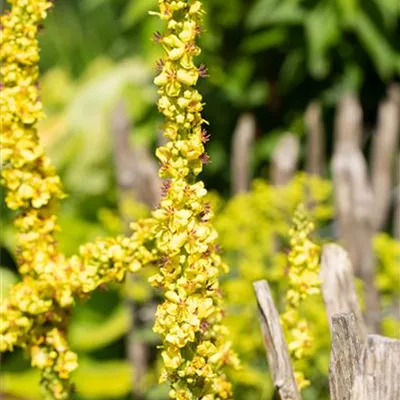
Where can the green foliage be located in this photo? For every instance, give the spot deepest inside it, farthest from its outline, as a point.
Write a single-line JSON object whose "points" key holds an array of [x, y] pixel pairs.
{"points": [[94, 380]]}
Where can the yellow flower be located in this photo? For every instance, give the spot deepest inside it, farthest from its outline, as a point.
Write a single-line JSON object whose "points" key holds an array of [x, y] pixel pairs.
{"points": [[303, 262], [190, 317]]}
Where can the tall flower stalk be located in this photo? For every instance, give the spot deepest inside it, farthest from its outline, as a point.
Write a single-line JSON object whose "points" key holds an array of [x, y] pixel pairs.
{"points": [[35, 314], [194, 348], [33, 189], [304, 281], [33, 186]]}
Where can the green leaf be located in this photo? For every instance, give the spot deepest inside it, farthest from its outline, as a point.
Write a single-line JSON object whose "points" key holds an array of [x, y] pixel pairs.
{"points": [[376, 45], [230, 14], [137, 10], [268, 12], [237, 79], [257, 94], [390, 11], [87, 335], [263, 40], [89, 5], [322, 32], [293, 70], [348, 10]]}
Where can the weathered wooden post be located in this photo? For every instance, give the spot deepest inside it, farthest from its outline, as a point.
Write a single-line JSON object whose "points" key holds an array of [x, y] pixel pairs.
{"points": [[345, 355], [243, 139], [285, 159], [338, 288], [378, 375], [275, 345], [355, 201], [315, 152]]}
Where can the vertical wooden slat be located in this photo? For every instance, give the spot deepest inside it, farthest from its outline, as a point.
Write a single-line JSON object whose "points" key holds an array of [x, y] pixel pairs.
{"points": [[345, 355], [243, 138], [384, 148], [275, 345], [338, 288], [285, 159], [315, 158], [379, 374], [355, 202]]}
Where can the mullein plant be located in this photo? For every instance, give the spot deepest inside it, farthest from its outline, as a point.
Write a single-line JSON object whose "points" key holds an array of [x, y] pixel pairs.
{"points": [[179, 236], [303, 277], [194, 345], [35, 314]]}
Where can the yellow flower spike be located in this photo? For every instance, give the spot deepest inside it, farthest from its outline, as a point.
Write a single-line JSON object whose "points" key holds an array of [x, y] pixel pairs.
{"points": [[36, 311], [303, 278], [191, 314]]}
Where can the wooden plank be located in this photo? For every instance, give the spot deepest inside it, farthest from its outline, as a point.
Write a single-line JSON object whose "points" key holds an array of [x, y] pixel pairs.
{"points": [[345, 355], [379, 374], [338, 288], [275, 345], [354, 200]]}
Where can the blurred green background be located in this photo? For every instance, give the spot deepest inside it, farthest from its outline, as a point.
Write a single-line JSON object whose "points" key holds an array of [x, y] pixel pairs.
{"points": [[268, 57]]}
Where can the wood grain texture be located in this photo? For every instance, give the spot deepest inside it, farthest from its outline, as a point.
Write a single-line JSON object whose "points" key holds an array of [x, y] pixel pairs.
{"points": [[275, 345], [338, 288], [345, 355], [379, 373]]}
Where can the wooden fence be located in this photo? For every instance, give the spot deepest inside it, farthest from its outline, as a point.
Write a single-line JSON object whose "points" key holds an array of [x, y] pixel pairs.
{"points": [[362, 367]]}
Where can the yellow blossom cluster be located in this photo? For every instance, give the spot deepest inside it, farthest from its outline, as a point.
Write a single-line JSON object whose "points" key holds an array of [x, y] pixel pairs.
{"points": [[194, 348], [35, 314], [32, 183], [303, 274]]}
